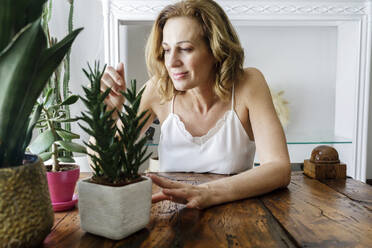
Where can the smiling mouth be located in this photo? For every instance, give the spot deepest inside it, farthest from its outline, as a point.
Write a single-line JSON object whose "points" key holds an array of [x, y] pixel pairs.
{"points": [[179, 75]]}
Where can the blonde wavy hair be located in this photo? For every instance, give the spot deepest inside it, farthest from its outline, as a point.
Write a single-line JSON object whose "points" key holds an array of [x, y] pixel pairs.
{"points": [[220, 36]]}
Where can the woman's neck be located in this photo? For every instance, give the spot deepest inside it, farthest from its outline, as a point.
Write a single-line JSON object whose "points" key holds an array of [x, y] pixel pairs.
{"points": [[202, 99]]}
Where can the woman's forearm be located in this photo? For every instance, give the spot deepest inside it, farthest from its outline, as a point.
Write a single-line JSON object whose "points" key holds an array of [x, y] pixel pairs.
{"points": [[260, 180]]}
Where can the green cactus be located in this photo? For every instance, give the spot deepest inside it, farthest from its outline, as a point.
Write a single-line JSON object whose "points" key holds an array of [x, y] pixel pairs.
{"points": [[26, 65], [118, 151], [66, 76]]}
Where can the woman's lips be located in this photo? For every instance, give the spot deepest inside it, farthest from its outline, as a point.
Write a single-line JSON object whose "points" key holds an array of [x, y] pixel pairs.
{"points": [[180, 75]]}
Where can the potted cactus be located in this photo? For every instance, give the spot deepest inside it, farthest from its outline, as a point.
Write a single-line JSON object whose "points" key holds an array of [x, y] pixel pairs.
{"points": [[26, 64], [115, 202]]}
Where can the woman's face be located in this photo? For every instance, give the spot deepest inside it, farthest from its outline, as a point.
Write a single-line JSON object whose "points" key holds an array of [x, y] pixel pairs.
{"points": [[187, 57]]}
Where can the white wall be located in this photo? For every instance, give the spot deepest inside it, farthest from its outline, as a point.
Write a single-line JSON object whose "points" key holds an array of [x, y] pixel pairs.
{"points": [[309, 89]]}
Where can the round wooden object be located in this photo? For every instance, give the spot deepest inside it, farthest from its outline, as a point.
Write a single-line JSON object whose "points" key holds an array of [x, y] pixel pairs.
{"points": [[324, 155]]}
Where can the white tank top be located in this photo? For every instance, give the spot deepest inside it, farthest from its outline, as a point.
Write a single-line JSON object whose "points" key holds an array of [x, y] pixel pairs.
{"points": [[225, 149]]}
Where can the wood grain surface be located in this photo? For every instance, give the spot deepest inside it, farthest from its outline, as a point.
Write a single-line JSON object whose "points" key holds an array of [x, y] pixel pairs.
{"points": [[316, 215], [355, 190], [309, 213]]}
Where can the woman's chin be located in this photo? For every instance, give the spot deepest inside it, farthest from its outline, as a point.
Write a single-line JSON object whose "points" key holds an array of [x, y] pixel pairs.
{"points": [[180, 89], [180, 86]]}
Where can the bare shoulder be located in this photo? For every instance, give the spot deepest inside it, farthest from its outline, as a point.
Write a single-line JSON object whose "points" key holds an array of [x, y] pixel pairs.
{"points": [[252, 84]]}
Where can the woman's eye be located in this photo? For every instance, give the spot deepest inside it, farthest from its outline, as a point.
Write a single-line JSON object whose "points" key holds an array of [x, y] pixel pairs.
{"points": [[186, 49], [166, 50]]}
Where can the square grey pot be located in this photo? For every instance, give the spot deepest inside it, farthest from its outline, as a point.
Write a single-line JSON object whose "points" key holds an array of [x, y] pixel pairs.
{"points": [[114, 212]]}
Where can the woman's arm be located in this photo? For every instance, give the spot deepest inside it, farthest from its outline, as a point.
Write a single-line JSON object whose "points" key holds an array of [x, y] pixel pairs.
{"points": [[274, 171]]}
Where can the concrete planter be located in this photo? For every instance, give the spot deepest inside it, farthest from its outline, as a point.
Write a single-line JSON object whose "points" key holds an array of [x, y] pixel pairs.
{"points": [[114, 212]]}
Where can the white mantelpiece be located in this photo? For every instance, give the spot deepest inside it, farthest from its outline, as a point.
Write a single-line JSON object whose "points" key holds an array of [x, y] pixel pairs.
{"points": [[350, 19]]}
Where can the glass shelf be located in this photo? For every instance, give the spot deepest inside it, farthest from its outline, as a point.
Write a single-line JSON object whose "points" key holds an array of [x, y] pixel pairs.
{"points": [[298, 139]]}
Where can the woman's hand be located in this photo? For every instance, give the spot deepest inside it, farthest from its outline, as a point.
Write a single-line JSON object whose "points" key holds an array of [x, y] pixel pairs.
{"points": [[194, 196], [114, 79]]}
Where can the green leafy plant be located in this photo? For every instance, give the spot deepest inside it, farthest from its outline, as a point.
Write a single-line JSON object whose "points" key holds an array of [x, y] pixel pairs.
{"points": [[26, 64], [118, 150], [54, 140]]}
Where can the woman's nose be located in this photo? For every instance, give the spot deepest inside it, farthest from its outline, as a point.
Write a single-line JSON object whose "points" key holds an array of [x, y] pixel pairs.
{"points": [[174, 60]]}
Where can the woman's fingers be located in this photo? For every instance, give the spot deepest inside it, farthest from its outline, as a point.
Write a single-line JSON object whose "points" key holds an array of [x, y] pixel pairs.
{"points": [[112, 79], [192, 196], [181, 195], [120, 71], [165, 183], [108, 82], [178, 193], [193, 204], [157, 197]]}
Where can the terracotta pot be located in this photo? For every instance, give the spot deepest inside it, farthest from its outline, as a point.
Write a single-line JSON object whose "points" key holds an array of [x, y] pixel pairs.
{"points": [[62, 184], [26, 212], [114, 212]]}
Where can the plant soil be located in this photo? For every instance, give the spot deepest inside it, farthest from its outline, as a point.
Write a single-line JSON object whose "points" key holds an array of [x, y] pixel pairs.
{"points": [[62, 167], [103, 181]]}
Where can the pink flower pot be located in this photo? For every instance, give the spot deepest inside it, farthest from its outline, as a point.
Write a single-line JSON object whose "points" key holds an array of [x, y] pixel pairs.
{"points": [[62, 184]]}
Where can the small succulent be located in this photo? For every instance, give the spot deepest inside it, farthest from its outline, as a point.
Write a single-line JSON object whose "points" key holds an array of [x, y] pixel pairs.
{"points": [[54, 140], [118, 150]]}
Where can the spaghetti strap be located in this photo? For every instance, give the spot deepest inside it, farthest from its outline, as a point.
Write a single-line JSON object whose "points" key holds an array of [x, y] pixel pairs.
{"points": [[232, 98], [172, 104]]}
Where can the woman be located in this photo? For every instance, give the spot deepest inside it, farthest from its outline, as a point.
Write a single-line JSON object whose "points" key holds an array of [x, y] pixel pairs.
{"points": [[213, 113]]}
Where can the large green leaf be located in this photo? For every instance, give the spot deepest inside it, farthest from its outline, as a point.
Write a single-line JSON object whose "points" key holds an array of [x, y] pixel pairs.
{"points": [[25, 67], [42, 142], [66, 135], [49, 98], [70, 100], [66, 160], [33, 121], [67, 120], [17, 65], [45, 155], [53, 56], [49, 60], [71, 146]]}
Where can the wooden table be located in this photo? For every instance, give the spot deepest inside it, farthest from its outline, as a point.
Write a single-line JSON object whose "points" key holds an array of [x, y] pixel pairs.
{"points": [[309, 213]]}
